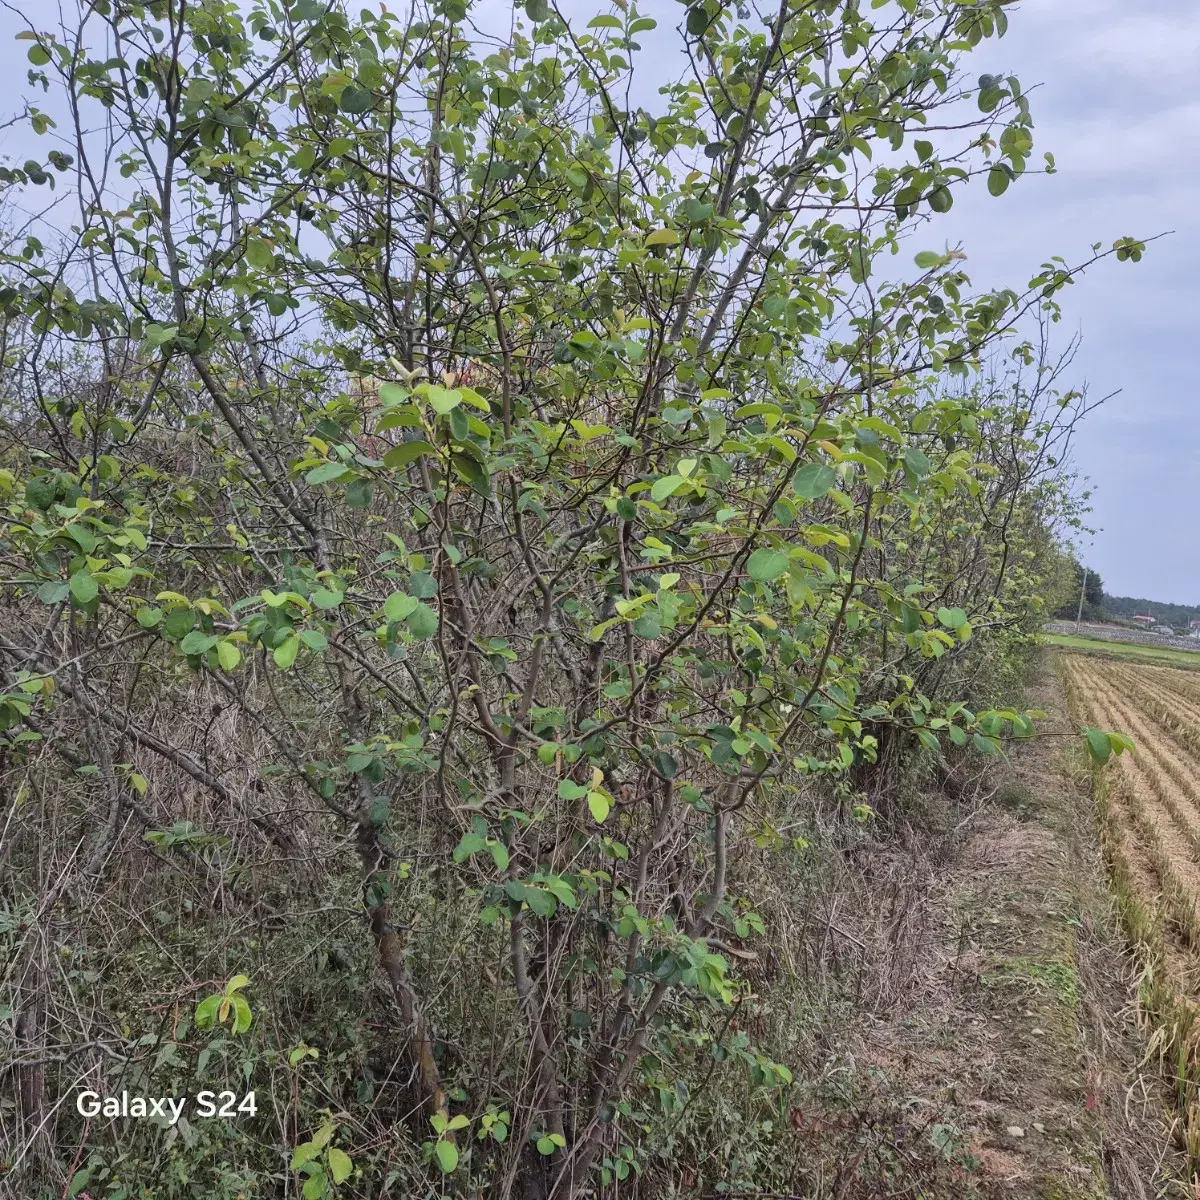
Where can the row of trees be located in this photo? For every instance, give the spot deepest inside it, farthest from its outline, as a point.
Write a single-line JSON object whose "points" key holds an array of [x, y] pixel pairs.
{"points": [[1087, 601], [460, 529], [1098, 605], [1179, 616]]}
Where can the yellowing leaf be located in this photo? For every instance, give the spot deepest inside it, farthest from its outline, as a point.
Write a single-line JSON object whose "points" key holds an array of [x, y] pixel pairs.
{"points": [[666, 486], [472, 397], [228, 655], [285, 653], [663, 237], [340, 1165]]}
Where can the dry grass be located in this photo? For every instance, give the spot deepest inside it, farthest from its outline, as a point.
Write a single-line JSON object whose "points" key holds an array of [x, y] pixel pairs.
{"points": [[986, 977], [1150, 819]]}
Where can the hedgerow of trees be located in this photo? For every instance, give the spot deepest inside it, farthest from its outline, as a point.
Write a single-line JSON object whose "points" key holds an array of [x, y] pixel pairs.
{"points": [[1179, 616], [1088, 587], [461, 523]]}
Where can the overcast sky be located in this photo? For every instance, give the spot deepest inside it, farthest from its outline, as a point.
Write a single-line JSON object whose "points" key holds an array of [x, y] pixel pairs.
{"points": [[1119, 109], [1117, 105]]}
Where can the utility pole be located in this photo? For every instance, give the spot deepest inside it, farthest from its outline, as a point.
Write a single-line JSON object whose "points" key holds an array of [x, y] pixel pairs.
{"points": [[1082, 590]]}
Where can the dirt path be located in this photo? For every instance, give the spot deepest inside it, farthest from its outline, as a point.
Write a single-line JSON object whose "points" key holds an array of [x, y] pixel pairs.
{"points": [[1035, 1039]]}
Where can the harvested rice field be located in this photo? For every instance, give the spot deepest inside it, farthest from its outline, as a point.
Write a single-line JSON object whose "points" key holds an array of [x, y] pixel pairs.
{"points": [[1149, 806]]}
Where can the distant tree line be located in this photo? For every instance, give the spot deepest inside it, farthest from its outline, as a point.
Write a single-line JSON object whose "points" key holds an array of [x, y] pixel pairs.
{"points": [[1092, 585], [1175, 615], [1098, 605]]}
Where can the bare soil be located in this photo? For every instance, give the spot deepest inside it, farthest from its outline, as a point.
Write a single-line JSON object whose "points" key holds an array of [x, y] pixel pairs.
{"points": [[1023, 1033]]}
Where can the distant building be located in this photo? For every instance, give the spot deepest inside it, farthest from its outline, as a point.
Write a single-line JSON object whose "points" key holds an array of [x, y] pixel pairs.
{"points": [[1144, 621], [1194, 628]]}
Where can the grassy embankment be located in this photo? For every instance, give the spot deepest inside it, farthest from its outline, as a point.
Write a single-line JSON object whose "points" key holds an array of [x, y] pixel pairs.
{"points": [[1180, 658]]}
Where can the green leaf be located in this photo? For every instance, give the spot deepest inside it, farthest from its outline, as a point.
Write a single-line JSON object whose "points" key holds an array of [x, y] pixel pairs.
{"points": [[1120, 743], [927, 259], [78, 1182], [917, 462], [304, 1153], [468, 844], [393, 393], [197, 642], [984, 744], [340, 1165], [405, 453], [422, 584], [697, 20], [1099, 745], [941, 199], [598, 631], [649, 626], [359, 492], [860, 264], [422, 622], [178, 621], [40, 56], [242, 1017], [206, 1012], [326, 598], [148, 617], [599, 805], [355, 99], [55, 592], [813, 480], [315, 640], [537, 10], [259, 254], [663, 237], [327, 473], [665, 764], [83, 587], [666, 485], [998, 180], [160, 335], [443, 400], [399, 606], [473, 472], [447, 1156], [952, 618], [766, 565], [541, 902], [285, 653]]}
